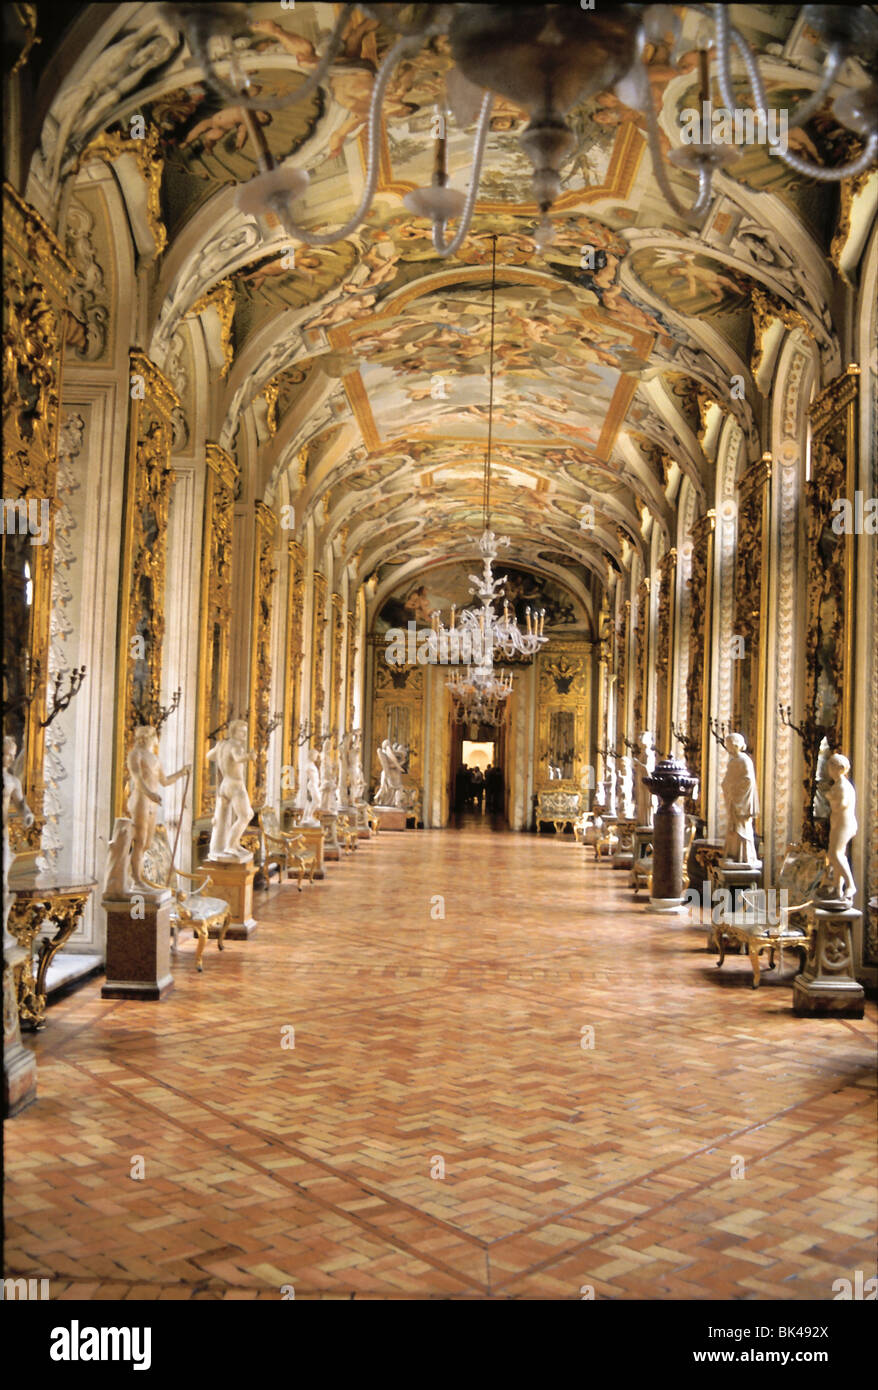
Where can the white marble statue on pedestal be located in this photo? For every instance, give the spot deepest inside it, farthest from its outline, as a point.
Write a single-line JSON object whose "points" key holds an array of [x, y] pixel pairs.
{"points": [[312, 789], [144, 795], [644, 801], [356, 780], [13, 796], [842, 799], [741, 803], [233, 811], [610, 784], [625, 789], [390, 791]]}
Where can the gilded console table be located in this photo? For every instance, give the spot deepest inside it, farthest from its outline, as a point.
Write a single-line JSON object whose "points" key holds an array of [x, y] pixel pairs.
{"points": [[48, 897]]}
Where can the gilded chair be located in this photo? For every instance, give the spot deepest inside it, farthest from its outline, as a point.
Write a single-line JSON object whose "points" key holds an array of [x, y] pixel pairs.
{"points": [[347, 835], [190, 907], [288, 851]]}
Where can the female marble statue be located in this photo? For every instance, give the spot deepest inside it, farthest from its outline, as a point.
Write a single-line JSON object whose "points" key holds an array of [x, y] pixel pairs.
{"points": [[329, 798], [741, 802], [625, 789], [13, 796], [356, 782], [144, 795], [233, 811], [644, 801], [391, 757], [842, 799], [312, 789]]}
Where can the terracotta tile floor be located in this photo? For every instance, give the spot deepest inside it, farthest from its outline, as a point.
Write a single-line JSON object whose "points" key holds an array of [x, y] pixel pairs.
{"points": [[458, 1042]]}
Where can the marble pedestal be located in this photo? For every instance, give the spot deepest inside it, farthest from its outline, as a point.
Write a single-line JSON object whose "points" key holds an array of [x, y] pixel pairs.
{"points": [[233, 882], [19, 1063], [391, 817], [329, 826], [736, 879], [623, 854], [138, 958], [827, 985]]}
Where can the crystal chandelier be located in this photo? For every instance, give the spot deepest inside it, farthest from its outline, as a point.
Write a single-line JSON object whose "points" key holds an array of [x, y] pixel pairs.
{"points": [[479, 695], [545, 59]]}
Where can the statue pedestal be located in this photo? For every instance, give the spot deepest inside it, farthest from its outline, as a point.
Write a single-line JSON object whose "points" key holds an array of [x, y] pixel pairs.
{"points": [[623, 854], [391, 817], [329, 827], [827, 985], [138, 962], [670, 781], [19, 1063], [233, 882], [736, 879], [360, 822]]}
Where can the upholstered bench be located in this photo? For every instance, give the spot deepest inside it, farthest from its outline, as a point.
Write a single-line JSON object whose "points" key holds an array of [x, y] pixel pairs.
{"points": [[764, 921]]}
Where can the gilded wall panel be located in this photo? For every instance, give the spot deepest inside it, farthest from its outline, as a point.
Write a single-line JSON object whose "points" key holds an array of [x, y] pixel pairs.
{"points": [[561, 751], [213, 710], [295, 652], [697, 703], [829, 568], [37, 275], [149, 480], [751, 607], [318, 655], [264, 575]]}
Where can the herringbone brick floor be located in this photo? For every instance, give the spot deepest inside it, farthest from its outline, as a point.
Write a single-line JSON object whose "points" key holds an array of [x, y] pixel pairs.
{"points": [[425, 1045]]}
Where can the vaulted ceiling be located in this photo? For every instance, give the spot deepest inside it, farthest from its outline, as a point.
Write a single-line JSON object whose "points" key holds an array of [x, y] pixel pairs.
{"points": [[363, 365]]}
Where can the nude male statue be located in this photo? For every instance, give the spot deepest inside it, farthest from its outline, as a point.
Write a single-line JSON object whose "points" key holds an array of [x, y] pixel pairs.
{"points": [[144, 796], [233, 811]]}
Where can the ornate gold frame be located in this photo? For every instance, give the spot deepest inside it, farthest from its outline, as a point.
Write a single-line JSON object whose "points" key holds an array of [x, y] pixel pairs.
{"points": [[703, 537], [830, 569], [318, 652], [751, 607], [641, 629], [295, 651], [337, 669], [149, 480], [664, 648], [401, 687], [36, 279], [259, 714], [220, 486], [563, 673]]}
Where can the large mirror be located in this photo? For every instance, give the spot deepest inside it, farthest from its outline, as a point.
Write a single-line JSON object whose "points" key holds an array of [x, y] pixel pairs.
{"points": [[18, 596], [562, 745]]}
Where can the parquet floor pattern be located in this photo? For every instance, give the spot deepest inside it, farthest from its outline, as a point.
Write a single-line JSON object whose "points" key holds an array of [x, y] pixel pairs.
{"points": [[699, 1142]]}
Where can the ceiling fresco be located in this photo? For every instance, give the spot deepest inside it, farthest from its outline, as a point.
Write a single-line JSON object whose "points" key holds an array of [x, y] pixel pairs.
{"points": [[610, 342]]}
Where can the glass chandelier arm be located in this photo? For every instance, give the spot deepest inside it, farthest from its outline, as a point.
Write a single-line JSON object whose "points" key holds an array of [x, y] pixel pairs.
{"points": [[448, 249], [658, 164], [725, 32], [382, 78], [841, 171], [199, 26]]}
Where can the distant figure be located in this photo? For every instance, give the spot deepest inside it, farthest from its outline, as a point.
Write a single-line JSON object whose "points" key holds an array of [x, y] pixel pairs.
{"points": [[478, 787], [494, 791], [461, 789]]}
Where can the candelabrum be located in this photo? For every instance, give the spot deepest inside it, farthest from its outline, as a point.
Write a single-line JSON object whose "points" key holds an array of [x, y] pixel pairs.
{"points": [[812, 735], [273, 723], [59, 699], [686, 743], [215, 733], [308, 732], [718, 730], [162, 713]]}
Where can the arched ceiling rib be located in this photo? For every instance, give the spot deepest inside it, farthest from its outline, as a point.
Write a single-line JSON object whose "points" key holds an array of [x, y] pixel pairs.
{"points": [[364, 363]]}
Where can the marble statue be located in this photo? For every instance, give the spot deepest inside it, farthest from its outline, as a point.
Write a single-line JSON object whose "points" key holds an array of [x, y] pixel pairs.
{"points": [[312, 789], [644, 801], [232, 812], [741, 802], [390, 791], [13, 796], [625, 789], [354, 783], [117, 876], [144, 796], [842, 799], [329, 797], [610, 786]]}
